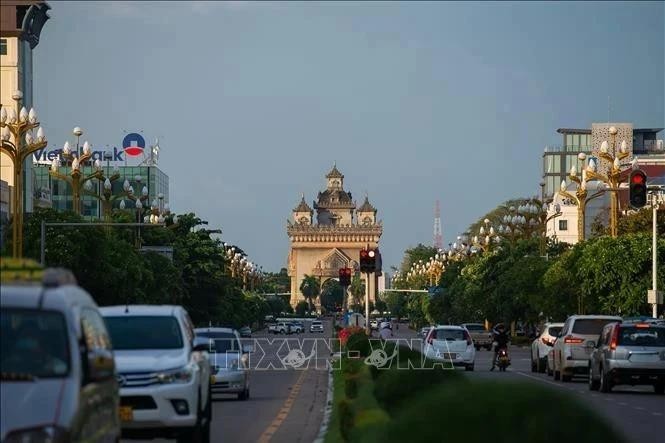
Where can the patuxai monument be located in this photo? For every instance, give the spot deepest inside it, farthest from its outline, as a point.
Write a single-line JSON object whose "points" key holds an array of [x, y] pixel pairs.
{"points": [[321, 246]]}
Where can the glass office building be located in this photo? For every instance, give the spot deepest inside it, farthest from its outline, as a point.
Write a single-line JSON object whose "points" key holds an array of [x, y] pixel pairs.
{"points": [[60, 191]]}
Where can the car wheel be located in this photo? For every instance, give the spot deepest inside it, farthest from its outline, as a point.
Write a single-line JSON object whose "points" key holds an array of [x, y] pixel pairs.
{"points": [[534, 368], [542, 365], [566, 377], [469, 367], [548, 370], [241, 395], [282, 331], [659, 388], [605, 383], [557, 375], [477, 348], [593, 384]]}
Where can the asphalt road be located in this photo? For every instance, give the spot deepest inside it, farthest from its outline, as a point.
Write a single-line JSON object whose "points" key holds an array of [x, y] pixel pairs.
{"points": [[636, 412], [286, 403]]}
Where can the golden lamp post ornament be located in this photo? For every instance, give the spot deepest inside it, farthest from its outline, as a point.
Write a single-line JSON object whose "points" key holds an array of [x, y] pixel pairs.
{"points": [[76, 178], [18, 125], [613, 176]]}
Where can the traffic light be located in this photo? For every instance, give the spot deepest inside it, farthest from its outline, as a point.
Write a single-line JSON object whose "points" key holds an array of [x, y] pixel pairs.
{"points": [[638, 189], [345, 276], [367, 260]]}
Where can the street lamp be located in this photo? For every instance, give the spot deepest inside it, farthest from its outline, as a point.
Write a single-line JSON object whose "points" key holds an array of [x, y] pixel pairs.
{"points": [[613, 176], [158, 210], [19, 124], [76, 178]]}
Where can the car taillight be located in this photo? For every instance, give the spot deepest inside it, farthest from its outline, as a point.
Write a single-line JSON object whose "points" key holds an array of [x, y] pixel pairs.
{"points": [[615, 338], [573, 340], [642, 325]]}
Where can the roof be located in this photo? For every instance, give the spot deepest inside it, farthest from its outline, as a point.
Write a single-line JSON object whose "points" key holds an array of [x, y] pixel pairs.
{"points": [[302, 206], [214, 329], [334, 173], [448, 326], [366, 206], [334, 197], [135, 310], [61, 298], [588, 131]]}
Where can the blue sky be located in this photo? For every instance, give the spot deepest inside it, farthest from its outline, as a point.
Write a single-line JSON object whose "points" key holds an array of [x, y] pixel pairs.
{"points": [[253, 102]]}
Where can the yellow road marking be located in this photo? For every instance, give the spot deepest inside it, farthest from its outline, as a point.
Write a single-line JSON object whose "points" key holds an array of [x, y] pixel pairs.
{"points": [[283, 412]]}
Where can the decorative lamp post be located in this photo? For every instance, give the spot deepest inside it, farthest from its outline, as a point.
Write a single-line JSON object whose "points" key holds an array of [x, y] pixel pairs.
{"points": [[18, 124], [76, 178], [613, 176], [159, 210]]}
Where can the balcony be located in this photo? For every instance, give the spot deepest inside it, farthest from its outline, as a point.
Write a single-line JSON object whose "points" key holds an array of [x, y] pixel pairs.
{"points": [[567, 149], [649, 147]]}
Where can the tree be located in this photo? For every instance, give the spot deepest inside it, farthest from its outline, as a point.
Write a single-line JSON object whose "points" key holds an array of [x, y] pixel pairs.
{"points": [[276, 305], [357, 290], [301, 308], [332, 295], [641, 221], [310, 289], [396, 303], [415, 254]]}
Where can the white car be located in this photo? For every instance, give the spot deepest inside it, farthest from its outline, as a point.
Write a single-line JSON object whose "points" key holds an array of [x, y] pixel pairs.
{"points": [[229, 361], [164, 379], [541, 346], [576, 342], [451, 344], [316, 326]]}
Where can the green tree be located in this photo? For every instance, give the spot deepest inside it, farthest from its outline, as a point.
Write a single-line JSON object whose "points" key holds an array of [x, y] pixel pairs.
{"points": [[396, 303], [357, 290], [301, 308], [416, 254], [276, 305], [310, 288], [332, 295]]}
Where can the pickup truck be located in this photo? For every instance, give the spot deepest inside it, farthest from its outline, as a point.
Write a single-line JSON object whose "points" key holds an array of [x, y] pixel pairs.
{"points": [[482, 338], [279, 328]]}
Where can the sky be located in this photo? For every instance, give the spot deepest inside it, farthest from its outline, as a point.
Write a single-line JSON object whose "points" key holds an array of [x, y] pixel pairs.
{"points": [[253, 102]]}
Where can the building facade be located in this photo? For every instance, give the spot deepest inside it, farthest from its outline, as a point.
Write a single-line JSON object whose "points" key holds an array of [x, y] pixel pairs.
{"points": [[329, 235], [21, 23], [59, 193]]}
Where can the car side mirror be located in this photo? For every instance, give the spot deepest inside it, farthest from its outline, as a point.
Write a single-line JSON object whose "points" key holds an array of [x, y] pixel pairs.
{"points": [[100, 365]]}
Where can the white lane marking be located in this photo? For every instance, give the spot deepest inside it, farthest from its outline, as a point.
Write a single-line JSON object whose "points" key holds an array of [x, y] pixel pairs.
{"points": [[657, 414], [639, 408], [538, 378], [621, 403]]}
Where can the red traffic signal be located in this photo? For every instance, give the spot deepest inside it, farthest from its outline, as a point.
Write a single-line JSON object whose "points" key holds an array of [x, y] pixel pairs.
{"points": [[638, 189], [345, 276], [368, 260]]}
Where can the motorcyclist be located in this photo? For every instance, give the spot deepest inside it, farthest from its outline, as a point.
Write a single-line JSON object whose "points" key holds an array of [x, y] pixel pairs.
{"points": [[501, 338]]}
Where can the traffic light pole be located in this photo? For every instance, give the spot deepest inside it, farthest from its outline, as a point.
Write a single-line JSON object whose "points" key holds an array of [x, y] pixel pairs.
{"points": [[654, 251], [367, 325]]}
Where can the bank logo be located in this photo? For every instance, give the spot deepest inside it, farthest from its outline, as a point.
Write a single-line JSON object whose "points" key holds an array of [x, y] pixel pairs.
{"points": [[133, 144]]}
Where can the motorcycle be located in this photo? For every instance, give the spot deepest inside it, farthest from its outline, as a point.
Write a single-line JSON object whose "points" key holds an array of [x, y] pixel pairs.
{"points": [[503, 361]]}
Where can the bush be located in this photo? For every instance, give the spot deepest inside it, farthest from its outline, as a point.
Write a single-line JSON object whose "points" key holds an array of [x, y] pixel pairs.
{"points": [[508, 412], [346, 415], [405, 358], [367, 422], [351, 386], [359, 342], [395, 388]]}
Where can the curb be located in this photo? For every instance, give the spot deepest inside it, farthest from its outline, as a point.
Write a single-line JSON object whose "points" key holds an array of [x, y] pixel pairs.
{"points": [[327, 412]]}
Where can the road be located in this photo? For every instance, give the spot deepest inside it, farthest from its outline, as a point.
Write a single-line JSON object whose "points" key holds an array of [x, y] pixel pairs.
{"points": [[286, 404], [636, 412]]}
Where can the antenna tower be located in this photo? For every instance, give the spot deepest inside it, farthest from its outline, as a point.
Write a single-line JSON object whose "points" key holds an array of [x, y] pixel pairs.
{"points": [[438, 236]]}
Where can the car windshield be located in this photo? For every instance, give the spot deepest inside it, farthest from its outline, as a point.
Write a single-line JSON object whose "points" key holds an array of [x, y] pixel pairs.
{"points": [[448, 334], [591, 326], [34, 343], [634, 336], [144, 332], [224, 341], [554, 331], [316, 323], [475, 328]]}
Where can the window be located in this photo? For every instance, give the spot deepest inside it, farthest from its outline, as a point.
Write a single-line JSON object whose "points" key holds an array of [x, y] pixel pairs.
{"points": [[145, 332], [563, 225], [591, 326], [3, 46], [569, 140]]}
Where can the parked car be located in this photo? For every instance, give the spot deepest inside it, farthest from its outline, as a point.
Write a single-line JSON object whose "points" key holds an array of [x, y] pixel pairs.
{"points": [[58, 373], [451, 344], [316, 326], [164, 378], [374, 324], [542, 345], [630, 354], [245, 332], [577, 339], [481, 337], [297, 327], [280, 328], [229, 362]]}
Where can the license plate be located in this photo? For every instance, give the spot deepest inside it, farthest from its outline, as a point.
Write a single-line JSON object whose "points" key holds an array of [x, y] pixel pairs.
{"points": [[448, 356], [126, 413], [643, 358], [212, 379]]}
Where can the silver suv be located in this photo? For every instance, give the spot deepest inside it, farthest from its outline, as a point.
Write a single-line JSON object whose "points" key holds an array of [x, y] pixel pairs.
{"points": [[58, 374], [575, 342], [631, 354]]}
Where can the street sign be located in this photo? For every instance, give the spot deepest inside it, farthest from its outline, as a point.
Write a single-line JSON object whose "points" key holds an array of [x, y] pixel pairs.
{"points": [[654, 297]]}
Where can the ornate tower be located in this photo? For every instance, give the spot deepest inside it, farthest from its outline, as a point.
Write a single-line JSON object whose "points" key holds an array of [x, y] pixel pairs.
{"points": [[438, 234], [334, 241]]}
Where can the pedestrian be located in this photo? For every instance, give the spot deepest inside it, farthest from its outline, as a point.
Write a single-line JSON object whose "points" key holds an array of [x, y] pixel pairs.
{"points": [[385, 331]]}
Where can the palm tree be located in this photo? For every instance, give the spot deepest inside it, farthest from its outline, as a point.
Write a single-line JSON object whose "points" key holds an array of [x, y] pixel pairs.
{"points": [[310, 288], [357, 289]]}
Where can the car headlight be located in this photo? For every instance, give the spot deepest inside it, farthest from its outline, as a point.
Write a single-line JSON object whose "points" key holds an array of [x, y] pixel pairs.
{"points": [[44, 434], [180, 375]]}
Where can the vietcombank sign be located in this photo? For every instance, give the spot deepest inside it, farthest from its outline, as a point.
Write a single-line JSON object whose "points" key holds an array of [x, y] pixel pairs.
{"points": [[133, 146]]}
